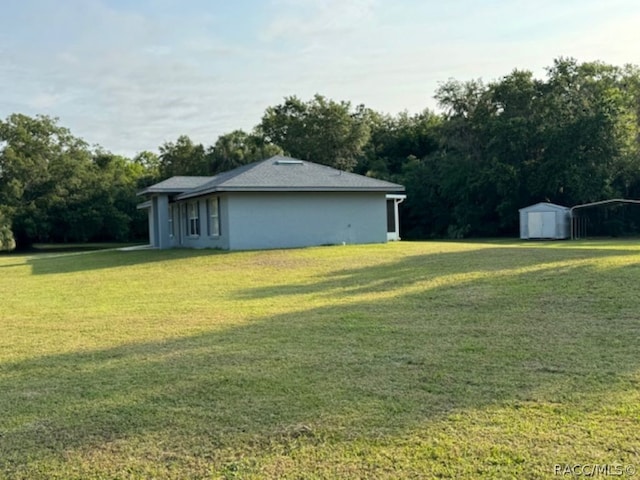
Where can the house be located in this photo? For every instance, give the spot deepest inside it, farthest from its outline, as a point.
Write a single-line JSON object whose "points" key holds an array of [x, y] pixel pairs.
{"points": [[274, 203]]}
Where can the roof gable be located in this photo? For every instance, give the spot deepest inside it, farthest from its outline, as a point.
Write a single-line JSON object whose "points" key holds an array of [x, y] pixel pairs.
{"points": [[544, 206]]}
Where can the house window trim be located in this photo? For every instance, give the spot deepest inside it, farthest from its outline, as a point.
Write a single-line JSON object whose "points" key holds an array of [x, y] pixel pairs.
{"points": [[192, 221], [213, 219]]}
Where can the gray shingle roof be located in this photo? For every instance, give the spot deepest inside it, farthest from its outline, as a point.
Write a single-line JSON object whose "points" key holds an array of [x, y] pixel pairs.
{"points": [[287, 174], [273, 174], [175, 185]]}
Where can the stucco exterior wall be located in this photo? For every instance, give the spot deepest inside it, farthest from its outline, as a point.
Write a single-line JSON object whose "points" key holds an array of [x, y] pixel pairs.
{"points": [[265, 220], [153, 241], [158, 233], [161, 207], [174, 230]]}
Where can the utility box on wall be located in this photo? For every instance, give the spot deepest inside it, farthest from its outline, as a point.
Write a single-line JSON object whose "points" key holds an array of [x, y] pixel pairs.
{"points": [[545, 221]]}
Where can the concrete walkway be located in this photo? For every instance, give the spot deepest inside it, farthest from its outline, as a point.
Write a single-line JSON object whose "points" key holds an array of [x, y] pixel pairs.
{"points": [[135, 247]]}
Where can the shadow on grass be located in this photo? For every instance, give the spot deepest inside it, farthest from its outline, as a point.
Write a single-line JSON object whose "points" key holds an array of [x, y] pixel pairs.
{"points": [[48, 251], [365, 368], [51, 259], [440, 267], [84, 260]]}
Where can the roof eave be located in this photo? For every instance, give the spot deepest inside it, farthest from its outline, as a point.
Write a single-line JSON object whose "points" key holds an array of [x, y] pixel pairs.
{"points": [[168, 191], [201, 193]]}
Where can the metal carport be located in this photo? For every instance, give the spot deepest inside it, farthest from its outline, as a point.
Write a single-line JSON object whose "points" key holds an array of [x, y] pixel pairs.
{"points": [[578, 227]]}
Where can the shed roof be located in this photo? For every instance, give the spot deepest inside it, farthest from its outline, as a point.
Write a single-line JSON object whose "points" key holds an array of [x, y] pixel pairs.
{"points": [[277, 173], [544, 207]]}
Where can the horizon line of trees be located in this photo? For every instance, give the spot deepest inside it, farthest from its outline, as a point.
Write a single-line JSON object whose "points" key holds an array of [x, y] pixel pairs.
{"points": [[571, 138]]}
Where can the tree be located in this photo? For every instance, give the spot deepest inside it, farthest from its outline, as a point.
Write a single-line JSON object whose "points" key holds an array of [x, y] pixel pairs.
{"points": [[464, 167], [590, 131], [238, 148], [396, 140], [320, 130], [150, 164], [115, 198], [182, 158], [41, 166], [7, 242]]}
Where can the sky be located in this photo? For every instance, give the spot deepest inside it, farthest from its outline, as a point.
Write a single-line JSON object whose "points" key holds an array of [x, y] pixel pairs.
{"points": [[130, 75]]}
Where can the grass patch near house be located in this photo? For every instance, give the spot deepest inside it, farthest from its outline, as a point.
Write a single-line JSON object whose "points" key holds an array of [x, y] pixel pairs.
{"points": [[406, 360]]}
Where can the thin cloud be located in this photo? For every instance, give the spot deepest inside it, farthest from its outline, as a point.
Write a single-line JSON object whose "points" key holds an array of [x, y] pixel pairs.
{"points": [[308, 20], [130, 79]]}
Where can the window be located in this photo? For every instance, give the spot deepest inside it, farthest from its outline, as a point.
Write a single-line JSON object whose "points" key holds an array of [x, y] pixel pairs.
{"points": [[193, 219], [213, 207]]}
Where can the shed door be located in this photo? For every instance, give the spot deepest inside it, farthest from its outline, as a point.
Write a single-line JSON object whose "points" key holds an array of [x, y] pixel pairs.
{"points": [[542, 224]]}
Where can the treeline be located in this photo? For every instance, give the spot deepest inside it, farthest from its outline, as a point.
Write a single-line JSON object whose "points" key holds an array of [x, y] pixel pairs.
{"points": [[570, 138]]}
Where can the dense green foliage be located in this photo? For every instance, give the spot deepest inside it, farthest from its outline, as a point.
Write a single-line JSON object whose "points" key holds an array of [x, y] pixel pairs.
{"points": [[54, 188], [7, 241], [571, 138]]}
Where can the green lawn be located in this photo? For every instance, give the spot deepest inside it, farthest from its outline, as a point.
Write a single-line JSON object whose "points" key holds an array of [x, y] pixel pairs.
{"points": [[407, 360]]}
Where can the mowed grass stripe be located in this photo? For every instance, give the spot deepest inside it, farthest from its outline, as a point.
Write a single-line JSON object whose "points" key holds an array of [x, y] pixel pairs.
{"points": [[435, 359]]}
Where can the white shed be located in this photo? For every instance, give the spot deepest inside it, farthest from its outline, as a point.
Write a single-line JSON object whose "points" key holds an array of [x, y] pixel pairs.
{"points": [[545, 220]]}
